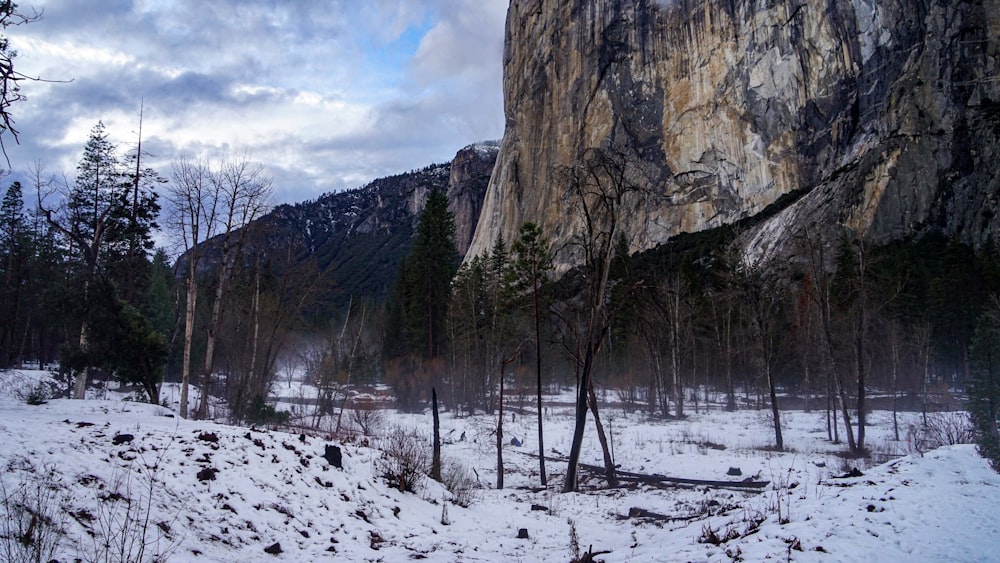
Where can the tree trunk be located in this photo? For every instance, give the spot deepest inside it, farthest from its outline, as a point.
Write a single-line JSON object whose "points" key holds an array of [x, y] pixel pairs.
{"points": [[609, 462], [538, 378], [210, 349], [860, 354], [80, 387], [894, 335], [189, 314], [581, 420], [675, 356], [842, 397], [436, 456], [779, 443], [829, 409], [727, 359], [228, 256], [500, 432], [838, 384]]}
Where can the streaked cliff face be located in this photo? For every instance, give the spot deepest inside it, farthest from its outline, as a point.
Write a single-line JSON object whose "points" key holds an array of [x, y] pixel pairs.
{"points": [[888, 111]]}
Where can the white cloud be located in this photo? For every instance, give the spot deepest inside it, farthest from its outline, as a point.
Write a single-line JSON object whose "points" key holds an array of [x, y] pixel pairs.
{"points": [[328, 94]]}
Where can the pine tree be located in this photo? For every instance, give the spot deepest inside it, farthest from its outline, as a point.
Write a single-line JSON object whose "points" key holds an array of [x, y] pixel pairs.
{"points": [[422, 294], [106, 220], [533, 263], [984, 384], [14, 263]]}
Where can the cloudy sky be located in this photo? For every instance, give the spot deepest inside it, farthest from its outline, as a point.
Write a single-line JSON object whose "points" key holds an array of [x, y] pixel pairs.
{"points": [[326, 94]]}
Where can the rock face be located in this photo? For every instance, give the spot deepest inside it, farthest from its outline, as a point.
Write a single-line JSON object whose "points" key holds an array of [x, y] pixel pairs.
{"points": [[470, 174], [886, 112]]}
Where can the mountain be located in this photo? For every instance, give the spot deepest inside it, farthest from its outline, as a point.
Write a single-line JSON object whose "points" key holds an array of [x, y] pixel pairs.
{"points": [[880, 116], [360, 236]]}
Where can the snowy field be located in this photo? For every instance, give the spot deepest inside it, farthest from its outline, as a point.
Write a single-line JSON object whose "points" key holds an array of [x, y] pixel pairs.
{"points": [[112, 479]]}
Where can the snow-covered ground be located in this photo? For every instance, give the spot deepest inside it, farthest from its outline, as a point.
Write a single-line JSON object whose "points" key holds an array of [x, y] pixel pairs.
{"points": [[220, 493]]}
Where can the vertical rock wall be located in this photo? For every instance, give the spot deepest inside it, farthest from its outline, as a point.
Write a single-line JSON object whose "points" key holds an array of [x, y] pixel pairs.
{"points": [[888, 111]]}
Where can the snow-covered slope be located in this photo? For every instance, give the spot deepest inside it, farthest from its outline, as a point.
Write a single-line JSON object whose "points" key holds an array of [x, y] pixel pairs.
{"points": [[272, 488]]}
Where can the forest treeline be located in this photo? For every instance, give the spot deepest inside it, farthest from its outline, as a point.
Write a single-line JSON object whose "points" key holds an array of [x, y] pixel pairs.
{"points": [[837, 324]]}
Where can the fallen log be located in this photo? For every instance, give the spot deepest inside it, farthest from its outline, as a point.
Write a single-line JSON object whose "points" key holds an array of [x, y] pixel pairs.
{"points": [[636, 512], [678, 481], [661, 480]]}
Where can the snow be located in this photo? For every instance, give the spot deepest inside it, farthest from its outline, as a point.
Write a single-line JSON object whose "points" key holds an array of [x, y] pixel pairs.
{"points": [[275, 486]]}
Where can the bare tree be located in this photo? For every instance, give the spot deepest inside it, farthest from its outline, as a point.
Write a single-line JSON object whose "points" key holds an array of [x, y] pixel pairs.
{"points": [[723, 307], [818, 268], [600, 188], [762, 299], [922, 340], [10, 79], [266, 300], [209, 203], [193, 201]]}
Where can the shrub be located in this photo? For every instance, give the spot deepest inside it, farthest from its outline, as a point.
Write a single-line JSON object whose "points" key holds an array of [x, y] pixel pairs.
{"points": [[984, 384], [37, 394], [942, 429], [460, 482], [405, 459], [259, 412], [31, 521], [367, 417]]}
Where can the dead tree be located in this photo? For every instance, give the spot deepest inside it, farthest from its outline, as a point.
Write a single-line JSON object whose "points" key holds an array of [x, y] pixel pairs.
{"points": [[600, 187], [763, 303]]}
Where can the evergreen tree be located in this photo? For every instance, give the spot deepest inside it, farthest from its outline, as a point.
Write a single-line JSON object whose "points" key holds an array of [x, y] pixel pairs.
{"points": [[984, 384], [422, 293], [14, 256], [532, 264], [106, 220]]}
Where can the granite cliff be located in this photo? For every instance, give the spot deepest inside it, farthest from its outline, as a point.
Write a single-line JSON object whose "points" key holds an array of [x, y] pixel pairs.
{"points": [[883, 115]]}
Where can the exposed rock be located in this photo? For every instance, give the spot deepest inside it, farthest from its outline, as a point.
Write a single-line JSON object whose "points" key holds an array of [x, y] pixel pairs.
{"points": [[470, 173], [120, 439], [333, 456], [273, 549], [211, 437], [888, 111]]}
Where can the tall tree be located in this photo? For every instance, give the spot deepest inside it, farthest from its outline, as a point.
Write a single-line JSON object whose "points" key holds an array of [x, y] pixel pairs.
{"points": [[430, 267], [533, 263], [14, 264], [193, 203], [984, 384], [107, 219], [466, 322], [818, 266], [763, 302], [244, 194], [602, 186], [501, 335]]}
